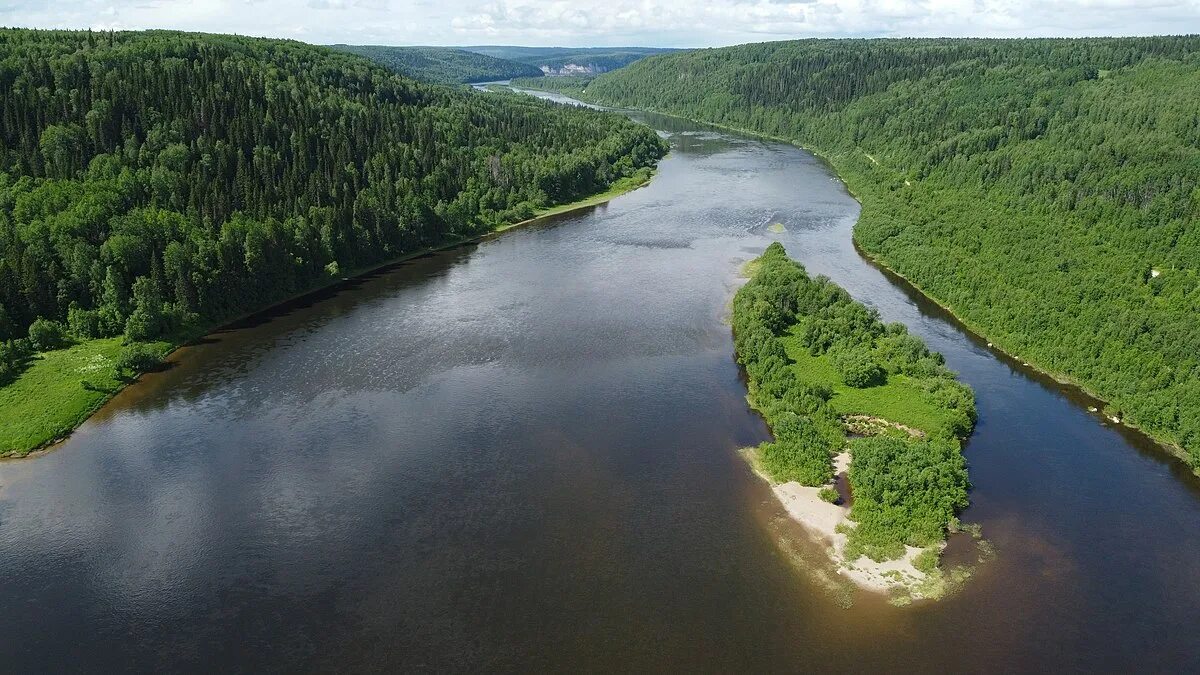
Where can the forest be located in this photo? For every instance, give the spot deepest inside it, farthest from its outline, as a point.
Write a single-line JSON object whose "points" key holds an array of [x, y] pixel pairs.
{"points": [[442, 65], [907, 486], [151, 181], [1047, 191]]}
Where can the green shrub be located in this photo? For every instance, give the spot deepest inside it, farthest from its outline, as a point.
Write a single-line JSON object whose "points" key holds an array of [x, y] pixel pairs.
{"points": [[88, 324], [46, 335], [905, 492], [14, 354], [857, 367], [138, 358], [828, 494]]}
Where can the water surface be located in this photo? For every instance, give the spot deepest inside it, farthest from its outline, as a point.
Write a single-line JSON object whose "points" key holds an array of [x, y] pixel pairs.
{"points": [[521, 454]]}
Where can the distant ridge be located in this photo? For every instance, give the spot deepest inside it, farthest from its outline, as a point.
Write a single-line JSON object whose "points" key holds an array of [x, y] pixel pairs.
{"points": [[570, 60], [442, 65]]}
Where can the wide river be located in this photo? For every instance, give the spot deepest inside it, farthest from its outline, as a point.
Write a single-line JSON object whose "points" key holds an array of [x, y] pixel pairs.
{"points": [[522, 454]]}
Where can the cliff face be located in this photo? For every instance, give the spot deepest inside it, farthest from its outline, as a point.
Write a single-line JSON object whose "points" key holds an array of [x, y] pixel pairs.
{"points": [[568, 69]]}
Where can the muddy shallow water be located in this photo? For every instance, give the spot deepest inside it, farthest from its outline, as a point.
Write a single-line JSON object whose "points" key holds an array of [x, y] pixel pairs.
{"points": [[522, 454]]}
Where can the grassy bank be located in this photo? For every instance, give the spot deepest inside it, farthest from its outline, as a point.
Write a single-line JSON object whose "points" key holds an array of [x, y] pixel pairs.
{"points": [[901, 399], [60, 389]]}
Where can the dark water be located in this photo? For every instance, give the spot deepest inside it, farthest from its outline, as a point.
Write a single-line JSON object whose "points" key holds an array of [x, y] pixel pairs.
{"points": [[522, 455]]}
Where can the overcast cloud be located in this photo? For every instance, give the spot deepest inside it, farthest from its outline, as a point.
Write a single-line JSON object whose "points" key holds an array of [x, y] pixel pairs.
{"points": [[670, 23]]}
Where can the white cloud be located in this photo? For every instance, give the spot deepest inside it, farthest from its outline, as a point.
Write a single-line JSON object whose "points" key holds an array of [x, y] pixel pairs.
{"points": [[612, 22]]}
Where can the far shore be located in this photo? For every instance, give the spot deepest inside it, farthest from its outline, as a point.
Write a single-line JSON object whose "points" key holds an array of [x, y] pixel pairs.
{"points": [[1171, 447]]}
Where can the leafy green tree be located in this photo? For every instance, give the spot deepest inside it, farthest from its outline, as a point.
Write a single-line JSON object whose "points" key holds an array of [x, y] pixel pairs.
{"points": [[138, 358], [62, 148], [147, 319], [857, 367], [6, 325], [46, 335], [905, 492]]}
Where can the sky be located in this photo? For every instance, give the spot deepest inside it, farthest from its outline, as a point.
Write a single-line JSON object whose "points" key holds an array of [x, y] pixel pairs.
{"points": [[662, 23]]}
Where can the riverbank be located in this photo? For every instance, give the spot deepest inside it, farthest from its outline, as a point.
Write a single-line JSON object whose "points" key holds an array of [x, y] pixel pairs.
{"points": [[60, 390], [1096, 405], [841, 165]]}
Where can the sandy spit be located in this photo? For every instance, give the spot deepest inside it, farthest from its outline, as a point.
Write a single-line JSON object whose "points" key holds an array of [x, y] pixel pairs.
{"points": [[821, 520]]}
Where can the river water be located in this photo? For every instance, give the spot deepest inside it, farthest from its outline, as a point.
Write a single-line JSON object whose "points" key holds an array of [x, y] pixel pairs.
{"points": [[521, 454]]}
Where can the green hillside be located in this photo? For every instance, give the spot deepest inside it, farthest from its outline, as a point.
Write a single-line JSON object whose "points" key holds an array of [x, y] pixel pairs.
{"points": [[153, 184], [1047, 191], [443, 65]]}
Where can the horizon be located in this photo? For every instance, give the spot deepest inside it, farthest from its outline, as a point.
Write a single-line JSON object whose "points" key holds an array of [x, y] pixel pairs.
{"points": [[612, 23], [475, 45]]}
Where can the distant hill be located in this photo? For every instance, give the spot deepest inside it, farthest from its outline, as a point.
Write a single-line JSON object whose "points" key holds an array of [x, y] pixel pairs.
{"points": [[570, 60], [443, 65]]}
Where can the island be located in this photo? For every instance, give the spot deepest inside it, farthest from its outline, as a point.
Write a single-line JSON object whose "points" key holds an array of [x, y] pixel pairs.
{"points": [[868, 426]]}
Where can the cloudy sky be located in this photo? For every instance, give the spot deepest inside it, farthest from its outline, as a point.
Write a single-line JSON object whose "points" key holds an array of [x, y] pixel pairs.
{"points": [[672, 23]]}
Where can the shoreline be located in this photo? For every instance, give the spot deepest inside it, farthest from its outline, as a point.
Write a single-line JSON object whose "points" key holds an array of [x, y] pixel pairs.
{"points": [[615, 190], [1170, 448], [826, 525]]}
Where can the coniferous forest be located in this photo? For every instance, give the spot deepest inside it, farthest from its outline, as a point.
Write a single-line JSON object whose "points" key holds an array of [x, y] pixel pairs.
{"points": [[152, 179], [1045, 190]]}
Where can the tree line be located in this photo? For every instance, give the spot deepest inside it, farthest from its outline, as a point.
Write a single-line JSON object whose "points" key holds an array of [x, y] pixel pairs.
{"points": [[148, 179], [1046, 190], [906, 490]]}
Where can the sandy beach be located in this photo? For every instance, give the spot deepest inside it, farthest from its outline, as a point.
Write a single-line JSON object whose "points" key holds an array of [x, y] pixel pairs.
{"points": [[821, 520]]}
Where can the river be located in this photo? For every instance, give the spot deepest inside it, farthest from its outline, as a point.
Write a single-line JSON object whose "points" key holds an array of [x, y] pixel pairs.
{"points": [[521, 454]]}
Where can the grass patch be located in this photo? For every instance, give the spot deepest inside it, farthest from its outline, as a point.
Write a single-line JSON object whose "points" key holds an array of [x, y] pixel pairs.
{"points": [[899, 400], [56, 393]]}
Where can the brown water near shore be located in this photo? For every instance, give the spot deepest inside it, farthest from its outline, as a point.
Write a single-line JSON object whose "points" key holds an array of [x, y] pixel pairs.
{"points": [[521, 455]]}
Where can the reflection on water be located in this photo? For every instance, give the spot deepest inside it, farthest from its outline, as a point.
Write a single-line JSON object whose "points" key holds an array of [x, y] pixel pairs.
{"points": [[522, 454]]}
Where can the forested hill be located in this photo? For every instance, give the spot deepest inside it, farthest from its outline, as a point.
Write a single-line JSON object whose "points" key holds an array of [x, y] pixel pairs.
{"points": [[146, 178], [445, 65], [1047, 191]]}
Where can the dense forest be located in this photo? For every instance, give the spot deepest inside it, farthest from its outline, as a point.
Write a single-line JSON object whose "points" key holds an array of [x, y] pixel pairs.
{"points": [[907, 488], [1045, 190], [570, 60], [442, 65], [153, 179]]}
